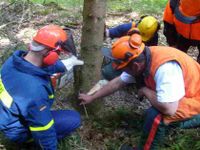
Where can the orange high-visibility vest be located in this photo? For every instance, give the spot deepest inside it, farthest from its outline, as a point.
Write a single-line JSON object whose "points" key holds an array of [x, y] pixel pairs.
{"points": [[189, 105], [185, 16], [190, 7]]}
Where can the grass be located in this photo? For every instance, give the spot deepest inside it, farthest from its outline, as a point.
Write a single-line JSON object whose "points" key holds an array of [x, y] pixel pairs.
{"points": [[183, 140], [110, 129], [73, 142], [63, 3], [140, 6]]}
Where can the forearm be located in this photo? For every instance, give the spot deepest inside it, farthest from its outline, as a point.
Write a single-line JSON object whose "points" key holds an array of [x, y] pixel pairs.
{"points": [[164, 108], [151, 96], [110, 88]]}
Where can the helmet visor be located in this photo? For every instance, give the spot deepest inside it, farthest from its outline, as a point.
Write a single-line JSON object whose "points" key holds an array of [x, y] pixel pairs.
{"points": [[69, 45]]}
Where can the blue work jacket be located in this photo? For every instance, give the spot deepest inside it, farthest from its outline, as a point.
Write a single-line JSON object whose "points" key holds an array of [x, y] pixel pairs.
{"points": [[26, 96]]}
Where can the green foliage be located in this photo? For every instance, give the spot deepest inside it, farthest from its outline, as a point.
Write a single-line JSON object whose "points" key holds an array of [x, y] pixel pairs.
{"points": [[140, 6], [118, 118], [63, 3], [121, 125], [73, 142], [183, 140], [197, 145]]}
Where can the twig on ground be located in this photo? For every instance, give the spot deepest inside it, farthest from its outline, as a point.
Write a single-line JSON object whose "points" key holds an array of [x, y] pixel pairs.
{"points": [[4, 25], [85, 110]]}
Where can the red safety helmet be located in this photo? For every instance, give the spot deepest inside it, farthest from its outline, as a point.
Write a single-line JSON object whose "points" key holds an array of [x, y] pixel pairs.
{"points": [[53, 37], [126, 49]]}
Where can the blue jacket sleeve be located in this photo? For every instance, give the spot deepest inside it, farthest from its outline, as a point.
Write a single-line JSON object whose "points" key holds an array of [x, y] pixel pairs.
{"points": [[120, 30], [41, 125], [56, 68]]}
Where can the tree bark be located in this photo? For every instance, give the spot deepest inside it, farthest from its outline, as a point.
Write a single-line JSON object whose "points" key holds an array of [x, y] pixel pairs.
{"points": [[91, 42]]}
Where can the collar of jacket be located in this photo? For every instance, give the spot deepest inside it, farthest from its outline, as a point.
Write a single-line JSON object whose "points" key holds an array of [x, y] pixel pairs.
{"points": [[147, 53], [24, 66]]}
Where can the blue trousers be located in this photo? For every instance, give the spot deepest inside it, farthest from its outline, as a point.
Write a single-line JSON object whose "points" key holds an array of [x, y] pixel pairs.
{"points": [[65, 121]]}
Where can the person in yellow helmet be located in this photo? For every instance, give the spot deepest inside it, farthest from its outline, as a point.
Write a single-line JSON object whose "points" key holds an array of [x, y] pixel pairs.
{"points": [[147, 26]]}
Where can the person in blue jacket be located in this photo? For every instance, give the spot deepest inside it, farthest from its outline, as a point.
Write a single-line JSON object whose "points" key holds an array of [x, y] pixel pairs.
{"points": [[147, 26], [26, 92]]}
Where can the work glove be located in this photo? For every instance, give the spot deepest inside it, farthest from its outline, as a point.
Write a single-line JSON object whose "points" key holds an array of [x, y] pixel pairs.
{"points": [[71, 62], [97, 86]]}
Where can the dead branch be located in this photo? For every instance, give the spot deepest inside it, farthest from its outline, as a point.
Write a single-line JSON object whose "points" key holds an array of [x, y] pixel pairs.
{"points": [[6, 24]]}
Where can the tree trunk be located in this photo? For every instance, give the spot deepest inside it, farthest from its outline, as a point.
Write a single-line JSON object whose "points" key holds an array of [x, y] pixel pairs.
{"points": [[91, 42]]}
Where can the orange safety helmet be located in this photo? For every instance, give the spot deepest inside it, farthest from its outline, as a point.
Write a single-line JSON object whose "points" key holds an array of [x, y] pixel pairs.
{"points": [[51, 36], [126, 49]]}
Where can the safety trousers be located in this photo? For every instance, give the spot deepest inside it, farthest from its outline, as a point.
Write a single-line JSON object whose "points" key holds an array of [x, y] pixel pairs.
{"points": [[65, 121], [154, 129]]}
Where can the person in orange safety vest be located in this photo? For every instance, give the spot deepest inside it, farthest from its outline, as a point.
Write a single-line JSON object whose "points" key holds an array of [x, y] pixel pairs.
{"points": [[171, 86], [182, 24]]}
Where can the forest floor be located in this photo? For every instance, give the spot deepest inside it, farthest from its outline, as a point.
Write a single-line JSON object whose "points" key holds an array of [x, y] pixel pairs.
{"points": [[120, 120]]}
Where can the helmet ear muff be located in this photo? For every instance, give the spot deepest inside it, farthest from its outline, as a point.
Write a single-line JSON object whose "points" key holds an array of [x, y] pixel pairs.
{"points": [[142, 17], [158, 28], [51, 58], [53, 55]]}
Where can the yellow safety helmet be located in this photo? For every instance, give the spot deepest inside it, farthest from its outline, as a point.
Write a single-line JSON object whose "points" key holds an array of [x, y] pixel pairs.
{"points": [[148, 26]]}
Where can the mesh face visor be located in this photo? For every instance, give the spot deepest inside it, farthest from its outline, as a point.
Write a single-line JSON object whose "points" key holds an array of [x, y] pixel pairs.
{"points": [[126, 60], [120, 62], [69, 45]]}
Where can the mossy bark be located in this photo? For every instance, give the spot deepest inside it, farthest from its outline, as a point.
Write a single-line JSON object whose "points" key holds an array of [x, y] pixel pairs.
{"points": [[91, 42]]}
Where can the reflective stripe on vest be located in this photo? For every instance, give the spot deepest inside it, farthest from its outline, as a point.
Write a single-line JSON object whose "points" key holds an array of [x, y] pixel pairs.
{"points": [[185, 19], [5, 96], [42, 128], [174, 5]]}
